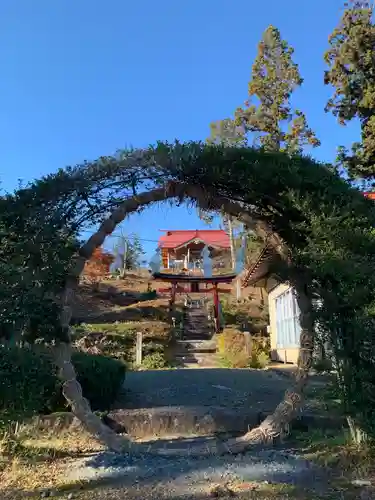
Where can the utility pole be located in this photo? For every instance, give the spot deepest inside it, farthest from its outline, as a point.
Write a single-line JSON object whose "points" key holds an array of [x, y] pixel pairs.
{"points": [[231, 240], [124, 257]]}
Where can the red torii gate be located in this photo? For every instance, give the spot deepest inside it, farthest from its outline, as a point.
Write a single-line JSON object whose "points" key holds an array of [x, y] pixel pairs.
{"points": [[184, 283]]}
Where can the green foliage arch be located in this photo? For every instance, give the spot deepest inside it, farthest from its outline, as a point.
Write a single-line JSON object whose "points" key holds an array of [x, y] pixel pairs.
{"points": [[326, 226]]}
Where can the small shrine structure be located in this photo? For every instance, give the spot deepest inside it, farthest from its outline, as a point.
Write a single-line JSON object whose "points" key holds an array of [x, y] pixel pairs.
{"points": [[196, 251], [182, 249]]}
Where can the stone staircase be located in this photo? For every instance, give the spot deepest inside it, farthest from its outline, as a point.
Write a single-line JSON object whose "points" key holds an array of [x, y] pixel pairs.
{"points": [[196, 348]]}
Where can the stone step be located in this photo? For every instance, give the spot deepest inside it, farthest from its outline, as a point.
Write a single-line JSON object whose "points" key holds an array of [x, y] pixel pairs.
{"points": [[199, 359], [204, 323], [196, 327], [198, 314], [195, 324], [181, 350], [196, 335], [197, 345], [197, 319], [200, 329], [192, 337]]}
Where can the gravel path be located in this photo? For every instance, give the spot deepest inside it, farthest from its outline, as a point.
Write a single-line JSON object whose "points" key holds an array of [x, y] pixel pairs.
{"points": [[186, 476], [182, 476], [259, 390]]}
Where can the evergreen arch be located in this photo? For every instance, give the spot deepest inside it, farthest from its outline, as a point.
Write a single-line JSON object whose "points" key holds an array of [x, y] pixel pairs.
{"points": [[321, 227]]}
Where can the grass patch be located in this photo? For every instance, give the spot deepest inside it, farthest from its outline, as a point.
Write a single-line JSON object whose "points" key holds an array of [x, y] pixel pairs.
{"points": [[325, 397], [333, 449], [32, 459]]}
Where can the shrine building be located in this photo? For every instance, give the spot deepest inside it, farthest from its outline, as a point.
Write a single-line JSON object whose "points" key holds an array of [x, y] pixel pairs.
{"points": [[182, 249]]}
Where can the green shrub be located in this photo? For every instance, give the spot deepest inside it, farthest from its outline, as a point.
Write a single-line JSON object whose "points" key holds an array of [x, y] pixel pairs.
{"points": [[232, 351], [29, 384], [149, 295], [101, 378], [154, 361], [259, 360], [323, 365], [152, 348]]}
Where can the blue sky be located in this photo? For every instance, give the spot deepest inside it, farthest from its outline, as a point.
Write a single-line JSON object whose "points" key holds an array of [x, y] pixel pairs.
{"points": [[84, 78]]}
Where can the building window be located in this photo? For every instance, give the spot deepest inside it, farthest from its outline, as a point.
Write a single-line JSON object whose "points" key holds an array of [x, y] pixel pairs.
{"points": [[288, 328]]}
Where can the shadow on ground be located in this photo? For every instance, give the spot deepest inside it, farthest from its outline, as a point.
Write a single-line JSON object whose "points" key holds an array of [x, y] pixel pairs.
{"points": [[196, 475], [105, 474]]}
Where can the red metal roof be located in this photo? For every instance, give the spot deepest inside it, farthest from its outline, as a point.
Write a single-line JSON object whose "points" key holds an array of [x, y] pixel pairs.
{"points": [[211, 237]]}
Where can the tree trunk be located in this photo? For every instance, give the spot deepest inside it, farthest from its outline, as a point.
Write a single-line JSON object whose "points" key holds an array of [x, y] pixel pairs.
{"points": [[80, 407], [277, 424], [72, 390]]}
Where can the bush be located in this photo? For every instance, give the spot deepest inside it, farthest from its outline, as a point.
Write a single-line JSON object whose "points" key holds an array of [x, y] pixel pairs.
{"points": [[101, 378], [154, 361], [259, 359], [323, 365], [152, 348], [29, 384], [231, 347], [149, 295]]}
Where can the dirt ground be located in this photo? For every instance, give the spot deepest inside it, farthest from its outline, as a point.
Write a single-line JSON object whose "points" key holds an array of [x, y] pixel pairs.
{"points": [[107, 303]]}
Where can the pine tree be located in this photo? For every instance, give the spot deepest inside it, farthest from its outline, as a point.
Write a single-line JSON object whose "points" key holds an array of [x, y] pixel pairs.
{"points": [[274, 78], [226, 132], [351, 72]]}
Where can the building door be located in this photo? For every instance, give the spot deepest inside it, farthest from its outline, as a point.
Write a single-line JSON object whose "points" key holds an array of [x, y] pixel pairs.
{"points": [[288, 328]]}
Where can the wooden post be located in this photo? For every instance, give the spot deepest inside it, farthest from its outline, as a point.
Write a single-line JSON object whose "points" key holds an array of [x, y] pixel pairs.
{"points": [[261, 296], [138, 349], [173, 295], [216, 306], [238, 288], [248, 346], [172, 299]]}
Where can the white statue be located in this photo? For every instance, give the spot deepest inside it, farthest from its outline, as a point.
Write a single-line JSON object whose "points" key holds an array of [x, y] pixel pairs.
{"points": [[207, 263], [155, 262], [240, 257]]}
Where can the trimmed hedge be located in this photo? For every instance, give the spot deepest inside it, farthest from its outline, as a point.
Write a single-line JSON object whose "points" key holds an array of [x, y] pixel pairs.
{"points": [[29, 384], [101, 378]]}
